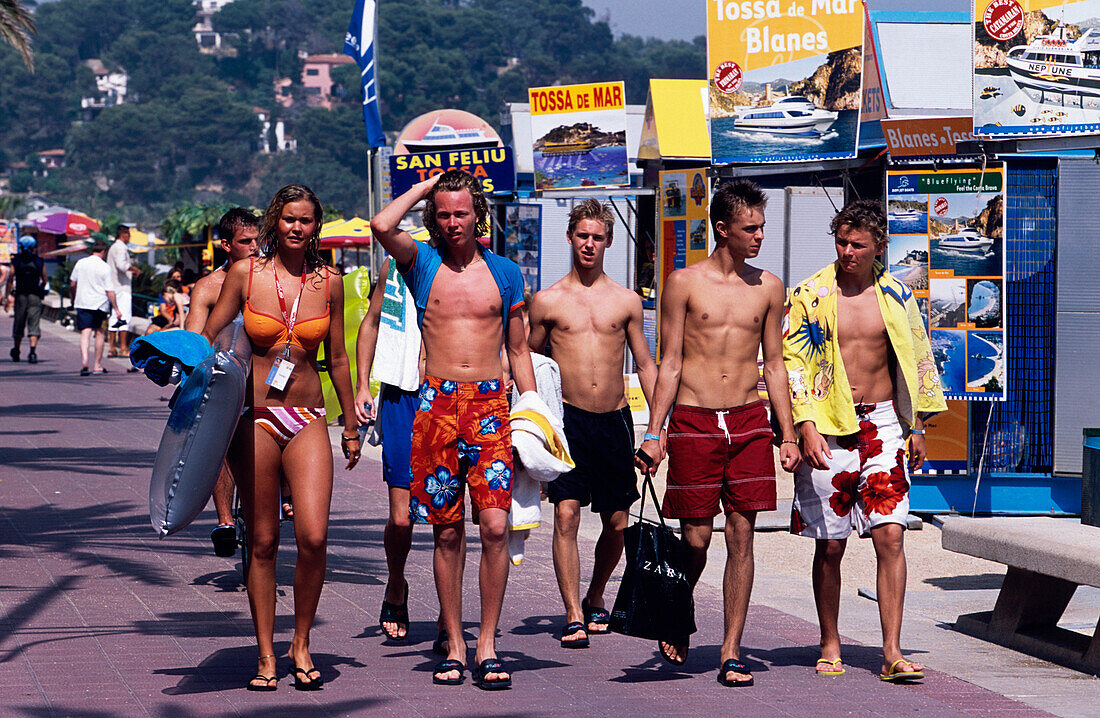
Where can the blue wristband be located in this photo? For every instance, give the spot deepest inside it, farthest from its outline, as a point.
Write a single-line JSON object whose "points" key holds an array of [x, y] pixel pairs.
{"points": [[918, 432], [650, 437]]}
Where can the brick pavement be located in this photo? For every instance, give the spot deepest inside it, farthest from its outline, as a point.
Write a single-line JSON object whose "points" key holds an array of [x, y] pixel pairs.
{"points": [[100, 618]]}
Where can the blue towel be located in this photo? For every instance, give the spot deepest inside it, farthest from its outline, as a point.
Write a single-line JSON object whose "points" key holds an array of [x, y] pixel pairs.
{"points": [[158, 353]]}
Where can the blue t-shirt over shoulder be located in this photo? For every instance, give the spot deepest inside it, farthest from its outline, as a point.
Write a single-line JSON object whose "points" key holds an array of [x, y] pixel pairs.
{"points": [[420, 275]]}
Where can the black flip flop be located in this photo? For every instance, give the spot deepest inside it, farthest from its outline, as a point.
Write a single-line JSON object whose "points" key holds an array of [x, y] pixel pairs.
{"points": [[395, 613], [573, 628], [313, 684], [267, 687], [734, 666], [490, 665], [668, 657], [446, 667], [598, 616]]}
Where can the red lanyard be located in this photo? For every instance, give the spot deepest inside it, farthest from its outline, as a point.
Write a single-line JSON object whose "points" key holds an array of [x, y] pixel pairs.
{"points": [[288, 319]]}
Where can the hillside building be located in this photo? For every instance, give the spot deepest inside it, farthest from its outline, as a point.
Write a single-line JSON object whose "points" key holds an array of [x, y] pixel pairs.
{"points": [[211, 42], [110, 88], [317, 78], [273, 134]]}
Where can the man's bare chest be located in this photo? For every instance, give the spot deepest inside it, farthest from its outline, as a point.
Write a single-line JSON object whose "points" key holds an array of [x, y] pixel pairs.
{"points": [[471, 293]]}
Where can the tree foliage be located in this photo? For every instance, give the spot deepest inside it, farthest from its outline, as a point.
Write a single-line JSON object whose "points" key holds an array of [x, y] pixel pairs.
{"points": [[187, 131], [16, 27]]}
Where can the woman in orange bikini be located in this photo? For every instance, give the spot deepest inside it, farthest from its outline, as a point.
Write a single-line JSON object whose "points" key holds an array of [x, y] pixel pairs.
{"points": [[291, 302]]}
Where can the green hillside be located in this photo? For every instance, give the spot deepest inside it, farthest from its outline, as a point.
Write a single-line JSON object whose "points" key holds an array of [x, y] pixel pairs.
{"points": [[187, 130]]}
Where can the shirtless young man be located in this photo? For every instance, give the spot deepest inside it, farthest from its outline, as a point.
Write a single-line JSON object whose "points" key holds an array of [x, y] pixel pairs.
{"points": [[588, 321], [237, 230], [468, 303], [715, 317], [862, 376]]}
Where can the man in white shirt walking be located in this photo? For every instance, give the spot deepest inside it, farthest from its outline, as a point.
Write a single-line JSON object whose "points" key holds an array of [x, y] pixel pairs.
{"points": [[122, 272], [93, 296]]}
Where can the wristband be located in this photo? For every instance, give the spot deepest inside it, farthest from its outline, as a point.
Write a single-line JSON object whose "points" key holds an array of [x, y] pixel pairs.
{"points": [[918, 432], [650, 437], [788, 441]]}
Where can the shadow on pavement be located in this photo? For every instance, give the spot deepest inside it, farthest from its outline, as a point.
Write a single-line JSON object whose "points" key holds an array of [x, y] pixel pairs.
{"points": [[71, 410], [97, 460], [550, 625], [223, 670], [86, 536], [30, 607], [974, 582]]}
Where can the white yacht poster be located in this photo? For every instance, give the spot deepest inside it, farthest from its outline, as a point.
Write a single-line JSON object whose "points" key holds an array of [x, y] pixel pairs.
{"points": [[523, 241], [947, 245], [579, 135], [1036, 67], [785, 79]]}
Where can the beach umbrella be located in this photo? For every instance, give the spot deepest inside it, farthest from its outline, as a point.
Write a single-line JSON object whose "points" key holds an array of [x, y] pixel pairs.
{"points": [[338, 234], [143, 241], [73, 247], [68, 223]]}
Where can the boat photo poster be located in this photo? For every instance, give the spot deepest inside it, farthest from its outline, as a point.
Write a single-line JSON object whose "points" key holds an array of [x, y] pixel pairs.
{"points": [[579, 135], [523, 241], [1036, 67], [947, 245], [785, 79]]}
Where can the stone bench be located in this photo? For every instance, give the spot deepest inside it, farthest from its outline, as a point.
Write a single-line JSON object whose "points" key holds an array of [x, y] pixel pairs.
{"points": [[1047, 560]]}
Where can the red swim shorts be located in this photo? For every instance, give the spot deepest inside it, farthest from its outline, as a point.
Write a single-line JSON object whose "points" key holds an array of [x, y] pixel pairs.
{"points": [[461, 436], [717, 454]]}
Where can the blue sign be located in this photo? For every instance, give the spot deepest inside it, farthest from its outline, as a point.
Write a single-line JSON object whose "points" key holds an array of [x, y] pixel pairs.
{"points": [[494, 167]]}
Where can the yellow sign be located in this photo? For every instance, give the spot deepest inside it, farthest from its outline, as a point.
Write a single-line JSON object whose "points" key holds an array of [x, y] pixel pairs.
{"points": [[635, 400], [675, 122], [577, 98], [761, 33], [578, 135], [927, 136]]}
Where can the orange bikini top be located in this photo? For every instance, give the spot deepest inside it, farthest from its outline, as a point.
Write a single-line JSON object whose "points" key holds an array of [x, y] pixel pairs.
{"points": [[267, 331]]}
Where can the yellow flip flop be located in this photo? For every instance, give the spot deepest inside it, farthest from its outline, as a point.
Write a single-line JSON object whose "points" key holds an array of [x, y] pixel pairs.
{"points": [[895, 675], [835, 663]]}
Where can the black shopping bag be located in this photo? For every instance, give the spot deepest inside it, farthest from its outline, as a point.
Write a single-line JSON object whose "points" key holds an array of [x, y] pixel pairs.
{"points": [[654, 600]]}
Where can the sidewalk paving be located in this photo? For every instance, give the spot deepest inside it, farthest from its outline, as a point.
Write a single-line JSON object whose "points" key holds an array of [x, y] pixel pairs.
{"points": [[100, 618]]}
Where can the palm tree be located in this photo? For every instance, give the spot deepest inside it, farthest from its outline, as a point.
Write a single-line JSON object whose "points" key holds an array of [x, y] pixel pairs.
{"points": [[10, 205], [16, 27]]}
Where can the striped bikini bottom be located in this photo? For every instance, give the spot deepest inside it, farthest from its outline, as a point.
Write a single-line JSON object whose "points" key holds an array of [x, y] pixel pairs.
{"points": [[284, 422]]}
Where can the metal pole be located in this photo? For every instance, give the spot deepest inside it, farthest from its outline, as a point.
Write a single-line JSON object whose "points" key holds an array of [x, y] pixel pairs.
{"points": [[370, 205], [375, 208]]}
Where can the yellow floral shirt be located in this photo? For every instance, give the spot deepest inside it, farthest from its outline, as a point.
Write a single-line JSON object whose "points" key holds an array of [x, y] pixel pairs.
{"points": [[819, 385]]}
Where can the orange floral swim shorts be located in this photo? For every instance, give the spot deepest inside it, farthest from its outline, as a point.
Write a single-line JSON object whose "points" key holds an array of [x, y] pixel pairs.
{"points": [[461, 437]]}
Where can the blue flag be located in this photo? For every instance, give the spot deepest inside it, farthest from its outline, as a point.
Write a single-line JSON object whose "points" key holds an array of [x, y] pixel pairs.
{"points": [[359, 44]]}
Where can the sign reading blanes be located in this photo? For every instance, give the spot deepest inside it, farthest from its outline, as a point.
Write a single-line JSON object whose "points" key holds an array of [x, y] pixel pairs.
{"points": [[785, 79]]}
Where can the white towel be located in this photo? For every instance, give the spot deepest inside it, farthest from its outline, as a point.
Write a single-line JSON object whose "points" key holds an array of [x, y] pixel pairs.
{"points": [[397, 353], [538, 437]]}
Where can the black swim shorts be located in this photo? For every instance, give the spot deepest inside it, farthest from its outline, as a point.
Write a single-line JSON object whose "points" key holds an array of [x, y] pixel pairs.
{"points": [[602, 447]]}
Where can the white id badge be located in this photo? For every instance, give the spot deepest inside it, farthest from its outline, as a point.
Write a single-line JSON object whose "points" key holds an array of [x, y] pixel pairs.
{"points": [[279, 374]]}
